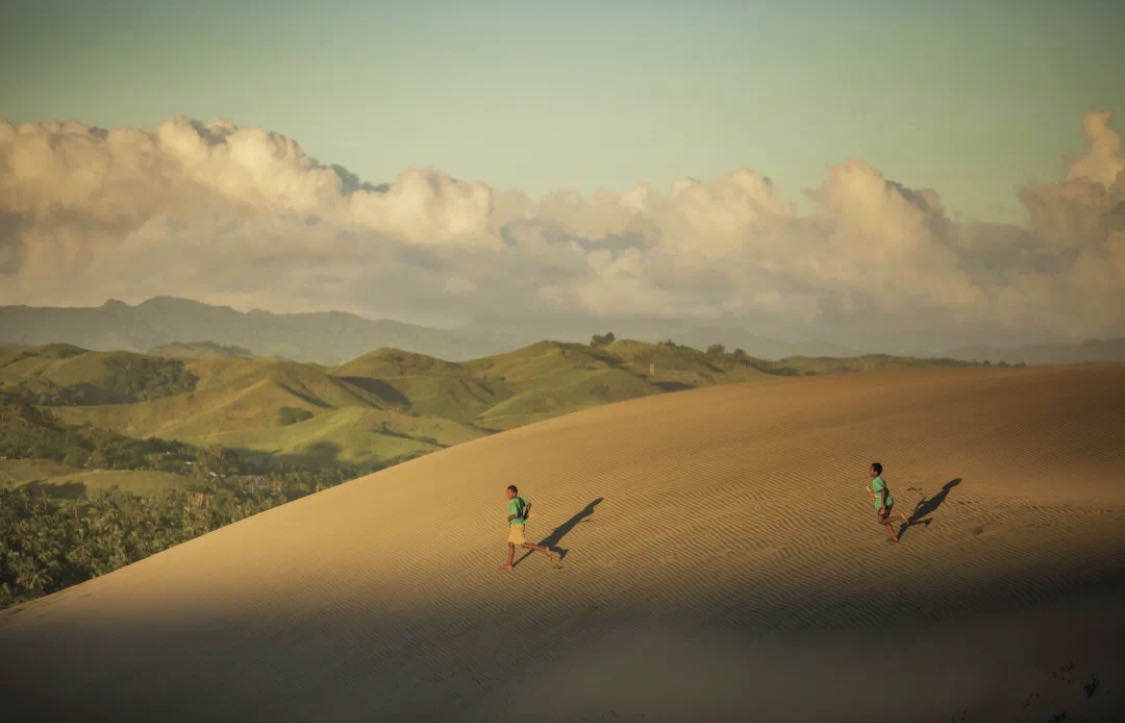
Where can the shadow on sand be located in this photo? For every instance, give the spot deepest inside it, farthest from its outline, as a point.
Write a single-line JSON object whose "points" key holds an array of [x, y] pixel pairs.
{"points": [[927, 506], [552, 540]]}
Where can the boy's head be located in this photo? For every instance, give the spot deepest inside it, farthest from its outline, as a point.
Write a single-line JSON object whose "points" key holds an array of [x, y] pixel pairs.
{"points": [[512, 491], [876, 469]]}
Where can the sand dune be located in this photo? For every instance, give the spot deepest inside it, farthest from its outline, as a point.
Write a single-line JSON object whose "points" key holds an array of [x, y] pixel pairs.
{"points": [[722, 562]]}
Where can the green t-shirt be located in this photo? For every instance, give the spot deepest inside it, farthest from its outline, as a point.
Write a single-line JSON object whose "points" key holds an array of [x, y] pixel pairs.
{"points": [[516, 506], [879, 487]]}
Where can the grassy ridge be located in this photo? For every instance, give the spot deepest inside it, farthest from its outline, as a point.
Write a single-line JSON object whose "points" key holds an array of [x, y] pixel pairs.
{"points": [[65, 374], [383, 406], [280, 407], [198, 350]]}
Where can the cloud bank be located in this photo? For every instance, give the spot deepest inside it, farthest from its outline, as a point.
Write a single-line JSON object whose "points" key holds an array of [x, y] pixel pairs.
{"points": [[244, 216]]}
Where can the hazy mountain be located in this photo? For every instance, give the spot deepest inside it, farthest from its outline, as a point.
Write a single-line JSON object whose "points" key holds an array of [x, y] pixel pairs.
{"points": [[334, 337], [326, 337], [1094, 350]]}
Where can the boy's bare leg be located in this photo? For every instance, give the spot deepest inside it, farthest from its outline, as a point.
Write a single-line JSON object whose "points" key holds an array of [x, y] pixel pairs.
{"points": [[511, 558], [538, 548], [891, 536], [886, 522], [899, 518]]}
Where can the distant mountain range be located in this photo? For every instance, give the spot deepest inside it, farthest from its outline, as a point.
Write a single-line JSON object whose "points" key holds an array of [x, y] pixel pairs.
{"points": [[1094, 350], [325, 337], [162, 323]]}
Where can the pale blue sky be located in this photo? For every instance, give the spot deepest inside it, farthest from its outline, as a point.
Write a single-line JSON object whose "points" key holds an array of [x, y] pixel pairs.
{"points": [[974, 99]]}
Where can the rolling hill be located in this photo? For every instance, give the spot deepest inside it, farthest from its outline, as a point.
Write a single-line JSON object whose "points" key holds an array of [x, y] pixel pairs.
{"points": [[378, 408], [65, 374], [722, 563], [242, 403], [198, 350]]}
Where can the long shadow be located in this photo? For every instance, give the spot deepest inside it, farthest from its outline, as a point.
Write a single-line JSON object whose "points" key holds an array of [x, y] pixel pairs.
{"points": [[927, 506], [552, 540]]}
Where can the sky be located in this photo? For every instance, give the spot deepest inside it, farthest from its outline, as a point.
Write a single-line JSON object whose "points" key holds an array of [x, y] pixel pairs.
{"points": [[869, 173], [974, 98]]}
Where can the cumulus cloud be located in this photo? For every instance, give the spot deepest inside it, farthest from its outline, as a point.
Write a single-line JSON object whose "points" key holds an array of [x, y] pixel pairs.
{"points": [[244, 216], [1102, 163]]}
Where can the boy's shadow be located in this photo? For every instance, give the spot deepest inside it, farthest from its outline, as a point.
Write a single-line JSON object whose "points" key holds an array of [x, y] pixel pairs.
{"points": [[552, 540], [927, 506]]}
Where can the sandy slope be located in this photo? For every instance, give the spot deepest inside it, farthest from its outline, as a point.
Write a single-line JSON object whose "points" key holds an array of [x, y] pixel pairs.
{"points": [[723, 562]]}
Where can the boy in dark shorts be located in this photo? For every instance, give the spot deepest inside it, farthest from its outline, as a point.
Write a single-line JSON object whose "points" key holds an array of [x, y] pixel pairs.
{"points": [[884, 501]]}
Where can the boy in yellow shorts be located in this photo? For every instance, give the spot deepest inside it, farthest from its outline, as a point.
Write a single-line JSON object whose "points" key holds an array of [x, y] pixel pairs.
{"points": [[884, 501], [518, 510]]}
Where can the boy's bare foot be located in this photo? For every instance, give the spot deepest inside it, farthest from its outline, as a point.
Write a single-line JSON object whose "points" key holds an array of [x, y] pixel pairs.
{"points": [[506, 566]]}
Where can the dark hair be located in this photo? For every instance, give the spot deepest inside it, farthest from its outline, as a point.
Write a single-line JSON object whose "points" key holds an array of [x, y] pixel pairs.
{"points": [[877, 467], [513, 488]]}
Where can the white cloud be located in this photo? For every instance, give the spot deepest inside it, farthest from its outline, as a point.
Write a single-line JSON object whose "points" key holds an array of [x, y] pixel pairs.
{"points": [[1102, 163], [243, 216]]}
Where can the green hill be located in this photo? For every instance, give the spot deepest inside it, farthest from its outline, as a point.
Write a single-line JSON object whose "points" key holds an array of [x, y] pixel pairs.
{"points": [[27, 432], [381, 407], [63, 480], [538, 381], [804, 365], [551, 378], [198, 350], [424, 385], [388, 362], [677, 366], [279, 407], [66, 375]]}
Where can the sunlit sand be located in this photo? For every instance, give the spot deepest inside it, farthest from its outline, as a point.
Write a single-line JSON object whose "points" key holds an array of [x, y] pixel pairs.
{"points": [[720, 558]]}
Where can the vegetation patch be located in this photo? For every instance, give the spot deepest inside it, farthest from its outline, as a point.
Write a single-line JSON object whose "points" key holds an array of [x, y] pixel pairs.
{"points": [[66, 375], [292, 415]]}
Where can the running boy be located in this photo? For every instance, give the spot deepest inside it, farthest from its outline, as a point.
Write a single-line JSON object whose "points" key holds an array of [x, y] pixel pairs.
{"points": [[884, 501], [517, 516]]}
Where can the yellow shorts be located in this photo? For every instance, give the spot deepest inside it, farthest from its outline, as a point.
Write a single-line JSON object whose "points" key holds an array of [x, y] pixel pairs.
{"points": [[515, 534]]}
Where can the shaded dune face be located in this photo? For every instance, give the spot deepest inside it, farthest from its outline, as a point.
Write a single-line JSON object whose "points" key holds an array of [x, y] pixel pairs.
{"points": [[721, 560]]}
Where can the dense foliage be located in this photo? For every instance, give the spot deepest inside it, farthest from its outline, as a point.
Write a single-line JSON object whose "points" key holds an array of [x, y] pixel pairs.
{"points": [[48, 543], [51, 538], [29, 432], [54, 536]]}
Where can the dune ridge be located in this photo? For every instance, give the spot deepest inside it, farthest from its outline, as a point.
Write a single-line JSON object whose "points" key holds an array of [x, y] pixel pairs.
{"points": [[722, 554]]}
